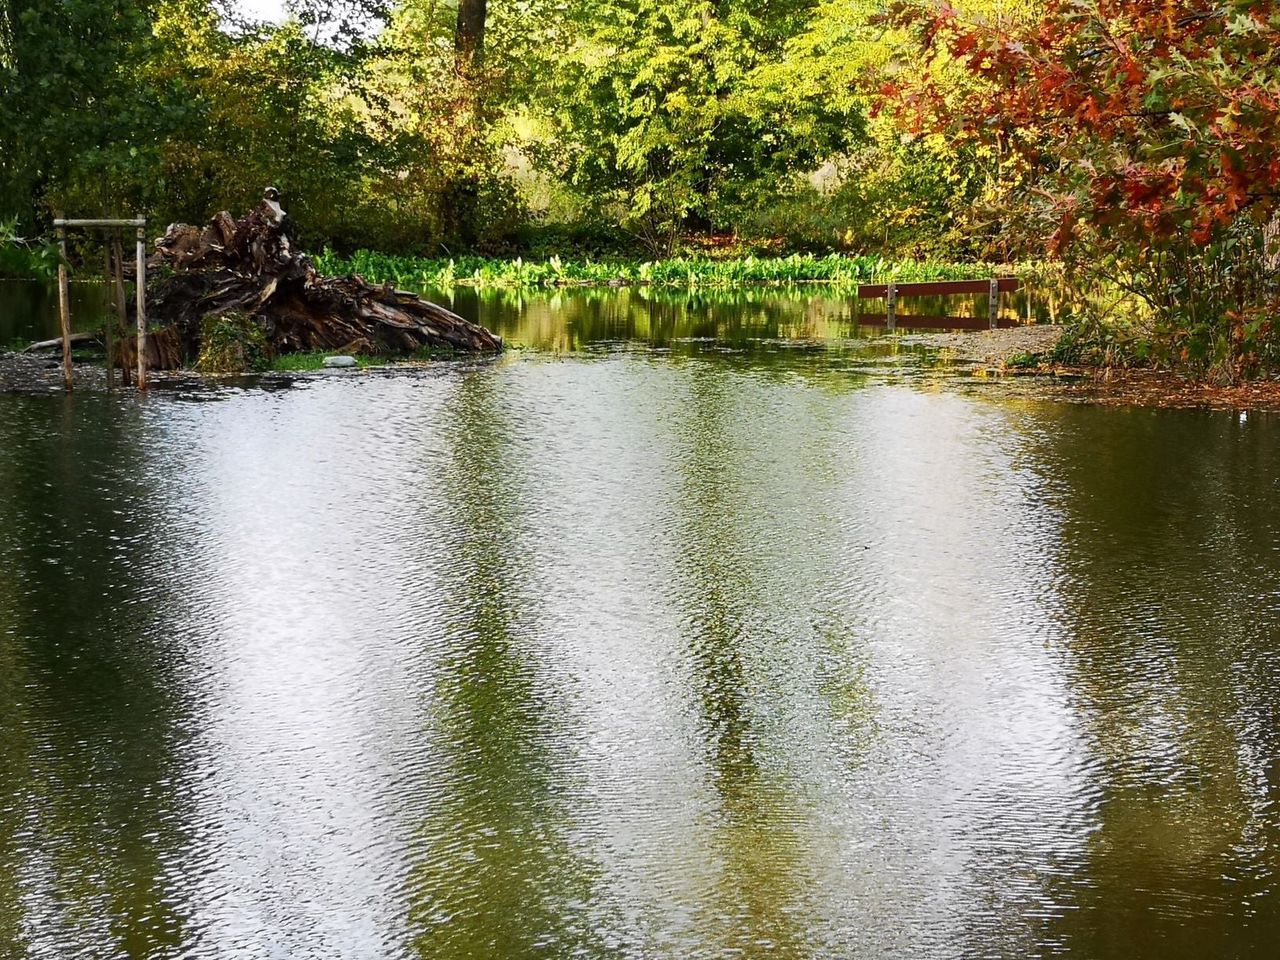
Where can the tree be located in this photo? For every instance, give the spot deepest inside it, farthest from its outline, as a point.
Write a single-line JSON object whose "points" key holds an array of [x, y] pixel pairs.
{"points": [[890, 192], [79, 124], [1145, 135], [443, 78], [663, 107]]}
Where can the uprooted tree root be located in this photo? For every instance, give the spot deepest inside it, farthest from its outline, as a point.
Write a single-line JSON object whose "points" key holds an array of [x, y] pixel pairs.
{"points": [[246, 269]]}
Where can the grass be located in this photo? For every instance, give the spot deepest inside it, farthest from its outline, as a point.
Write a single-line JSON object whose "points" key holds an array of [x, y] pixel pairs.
{"points": [[301, 362], [675, 272], [232, 343], [304, 362], [1023, 361]]}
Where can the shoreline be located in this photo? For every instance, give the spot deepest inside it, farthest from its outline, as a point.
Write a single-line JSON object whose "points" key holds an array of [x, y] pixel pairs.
{"points": [[1161, 390], [982, 359], [990, 353]]}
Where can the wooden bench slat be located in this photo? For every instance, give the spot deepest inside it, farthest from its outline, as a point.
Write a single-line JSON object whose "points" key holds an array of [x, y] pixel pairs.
{"points": [[936, 288]]}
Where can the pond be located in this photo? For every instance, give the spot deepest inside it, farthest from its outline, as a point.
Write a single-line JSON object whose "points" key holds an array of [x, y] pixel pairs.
{"points": [[579, 318], [29, 311], [658, 638]]}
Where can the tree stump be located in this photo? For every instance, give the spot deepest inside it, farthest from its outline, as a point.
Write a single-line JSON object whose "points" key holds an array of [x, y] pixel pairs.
{"points": [[248, 266]]}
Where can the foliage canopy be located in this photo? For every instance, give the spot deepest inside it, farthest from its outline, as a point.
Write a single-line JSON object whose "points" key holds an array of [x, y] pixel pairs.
{"points": [[1134, 140]]}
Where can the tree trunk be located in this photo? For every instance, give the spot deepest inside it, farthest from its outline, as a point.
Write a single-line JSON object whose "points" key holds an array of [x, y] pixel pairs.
{"points": [[469, 38]]}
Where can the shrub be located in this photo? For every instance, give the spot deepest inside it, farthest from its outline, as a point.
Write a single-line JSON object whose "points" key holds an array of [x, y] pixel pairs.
{"points": [[24, 259], [232, 343]]}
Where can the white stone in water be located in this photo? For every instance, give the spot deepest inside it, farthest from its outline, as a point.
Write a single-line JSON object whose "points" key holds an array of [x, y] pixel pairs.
{"points": [[339, 361]]}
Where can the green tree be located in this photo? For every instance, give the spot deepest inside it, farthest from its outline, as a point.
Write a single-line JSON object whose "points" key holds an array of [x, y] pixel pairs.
{"points": [[274, 107], [80, 126], [441, 79], [895, 189], [667, 111]]}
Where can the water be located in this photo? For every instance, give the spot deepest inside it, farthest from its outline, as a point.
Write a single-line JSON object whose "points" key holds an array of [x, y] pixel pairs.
{"points": [[592, 319], [635, 644], [29, 311], [759, 320]]}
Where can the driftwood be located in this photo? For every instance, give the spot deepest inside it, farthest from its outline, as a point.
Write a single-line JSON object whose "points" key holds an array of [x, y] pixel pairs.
{"points": [[247, 266], [77, 339]]}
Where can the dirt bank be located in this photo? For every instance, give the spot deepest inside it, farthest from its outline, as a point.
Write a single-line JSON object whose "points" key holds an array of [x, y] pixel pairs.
{"points": [[1157, 388], [988, 352]]}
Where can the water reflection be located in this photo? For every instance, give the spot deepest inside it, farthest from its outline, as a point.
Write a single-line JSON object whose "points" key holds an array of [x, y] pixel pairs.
{"points": [[292, 613], [757, 320], [29, 310], [980, 789], [495, 873], [1172, 546], [757, 833], [626, 654], [93, 715]]}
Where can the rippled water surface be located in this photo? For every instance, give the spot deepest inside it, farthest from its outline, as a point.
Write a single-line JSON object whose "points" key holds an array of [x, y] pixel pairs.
{"points": [[607, 651]]}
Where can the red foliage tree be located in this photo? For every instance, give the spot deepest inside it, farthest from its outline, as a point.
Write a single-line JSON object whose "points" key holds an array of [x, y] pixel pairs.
{"points": [[1148, 133]]}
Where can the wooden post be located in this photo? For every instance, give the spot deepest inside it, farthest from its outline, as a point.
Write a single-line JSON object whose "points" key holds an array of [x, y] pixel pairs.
{"points": [[122, 315], [64, 308], [891, 306], [993, 307], [142, 308], [108, 322]]}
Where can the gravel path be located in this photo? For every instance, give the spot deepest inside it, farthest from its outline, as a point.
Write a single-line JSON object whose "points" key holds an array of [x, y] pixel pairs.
{"points": [[990, 346]]}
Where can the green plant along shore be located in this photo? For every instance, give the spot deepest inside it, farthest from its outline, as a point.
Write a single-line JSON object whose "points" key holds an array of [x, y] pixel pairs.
{"points": [[690, 271], [565, 141]]}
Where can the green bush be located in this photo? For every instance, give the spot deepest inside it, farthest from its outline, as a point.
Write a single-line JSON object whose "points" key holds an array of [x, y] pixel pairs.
{"points": [[232, 343], [672, 272], [24, 259]]}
